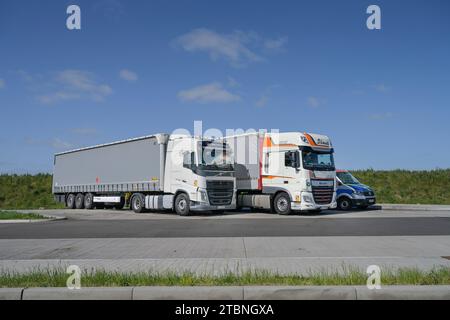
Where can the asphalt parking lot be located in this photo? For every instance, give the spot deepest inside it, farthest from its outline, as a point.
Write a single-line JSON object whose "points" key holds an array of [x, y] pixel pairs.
{"points": [[211, 243]]}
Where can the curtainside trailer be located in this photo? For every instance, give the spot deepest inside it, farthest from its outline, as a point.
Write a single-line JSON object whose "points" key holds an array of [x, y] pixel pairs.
{"points": [[161, 171]]}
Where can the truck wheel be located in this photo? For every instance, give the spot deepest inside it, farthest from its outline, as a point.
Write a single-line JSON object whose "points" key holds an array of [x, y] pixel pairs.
{"points": [[138, 203], [182, 206], [344, 203], [89, 201], [70, 203], [282, 203], [79, 201]]}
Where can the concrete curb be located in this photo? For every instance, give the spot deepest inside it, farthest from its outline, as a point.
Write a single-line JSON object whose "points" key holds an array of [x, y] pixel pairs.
{"points": [[440, 292], [49, 217], [413, 207], [32, 220]]}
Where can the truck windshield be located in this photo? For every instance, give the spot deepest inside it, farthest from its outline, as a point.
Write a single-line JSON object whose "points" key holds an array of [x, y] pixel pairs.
{"points": [[347, 178], [315, 160], [215, 156]]}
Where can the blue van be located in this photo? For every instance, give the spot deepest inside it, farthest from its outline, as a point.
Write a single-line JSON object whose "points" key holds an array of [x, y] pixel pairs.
{"points": [[352, 193]]}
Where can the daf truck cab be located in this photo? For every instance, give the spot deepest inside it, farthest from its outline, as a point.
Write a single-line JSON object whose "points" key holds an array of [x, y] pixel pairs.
{"points": [[176, 172], [284, 171]]}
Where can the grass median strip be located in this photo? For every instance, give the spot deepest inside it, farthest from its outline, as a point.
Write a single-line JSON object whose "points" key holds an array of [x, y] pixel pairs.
{"points": [[13, 215], [348, 276]]}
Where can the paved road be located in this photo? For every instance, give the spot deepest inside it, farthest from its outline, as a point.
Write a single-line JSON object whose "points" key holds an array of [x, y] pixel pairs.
{"points": [[202, 244], [269, 227]]}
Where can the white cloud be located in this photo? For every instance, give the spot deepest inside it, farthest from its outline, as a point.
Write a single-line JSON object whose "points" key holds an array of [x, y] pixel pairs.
{"points": [[55, 143], [128, 75], [265, 96], [2, 83], [313, 102], [75, 84], [232, 83], [381, 87], [84, 131], [238, 48], [59, 144], [276, 44], [213, 92], [262, 101], [55, 97], [381, 116]]}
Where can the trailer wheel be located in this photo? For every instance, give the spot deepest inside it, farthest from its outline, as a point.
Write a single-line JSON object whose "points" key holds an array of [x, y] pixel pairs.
{"points": [[138, 203], [89, 201], [70, 202], [182, 206], [282, 203], [79, 201]]}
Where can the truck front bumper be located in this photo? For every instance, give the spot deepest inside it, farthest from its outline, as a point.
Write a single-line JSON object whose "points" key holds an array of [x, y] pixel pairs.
{"points": [[203, 206], [308, 203]]}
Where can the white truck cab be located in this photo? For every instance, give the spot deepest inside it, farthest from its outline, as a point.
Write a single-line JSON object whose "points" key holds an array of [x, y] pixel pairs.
{"points": [[200, 168], [290, 171]]}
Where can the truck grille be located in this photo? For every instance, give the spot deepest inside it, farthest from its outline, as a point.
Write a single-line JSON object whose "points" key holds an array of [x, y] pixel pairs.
{"points": [[220, 192], [323, 195]]}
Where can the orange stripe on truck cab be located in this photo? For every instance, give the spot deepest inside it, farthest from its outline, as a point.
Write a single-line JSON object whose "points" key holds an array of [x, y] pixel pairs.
{"points": [[312, 142], [268, 143], [274, 177]]}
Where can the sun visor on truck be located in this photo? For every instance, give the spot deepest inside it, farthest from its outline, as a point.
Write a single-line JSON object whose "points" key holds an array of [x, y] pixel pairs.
{"points": [[317, 149]]}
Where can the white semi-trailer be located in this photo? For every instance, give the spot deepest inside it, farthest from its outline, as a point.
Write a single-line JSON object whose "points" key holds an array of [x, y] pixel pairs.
{"points": [[284, 171], [160, 171]]}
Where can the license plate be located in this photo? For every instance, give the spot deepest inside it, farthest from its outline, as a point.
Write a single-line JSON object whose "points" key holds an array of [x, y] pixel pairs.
{"points": [[220, 207], [371, 200]]}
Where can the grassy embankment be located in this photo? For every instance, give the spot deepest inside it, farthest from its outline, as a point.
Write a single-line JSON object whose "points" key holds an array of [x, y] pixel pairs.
{"points": [[396, 186], [402, 186], [349, 276]]}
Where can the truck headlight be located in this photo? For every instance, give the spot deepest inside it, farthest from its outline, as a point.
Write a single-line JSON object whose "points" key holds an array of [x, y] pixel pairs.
{"points": [[307, 198], [203, 196]]}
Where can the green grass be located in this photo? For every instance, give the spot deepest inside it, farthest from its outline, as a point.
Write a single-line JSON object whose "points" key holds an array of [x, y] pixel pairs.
{"points": [[395, 186], [12, 215], [347, 276], [402, 186]]}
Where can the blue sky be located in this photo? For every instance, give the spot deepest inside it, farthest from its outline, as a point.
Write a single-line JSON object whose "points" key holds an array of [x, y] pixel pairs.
{"points": [[142, 67]]}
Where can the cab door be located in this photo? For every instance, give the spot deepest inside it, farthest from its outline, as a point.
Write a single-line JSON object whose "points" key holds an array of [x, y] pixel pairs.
{"points": [[291, 166]]}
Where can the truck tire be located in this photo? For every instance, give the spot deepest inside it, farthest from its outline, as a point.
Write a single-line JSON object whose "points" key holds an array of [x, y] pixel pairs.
{"points": [[89, 201], [138, 203], [79, 201], [70, 202], [344, 203], [282, 203], [182, 204]]}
